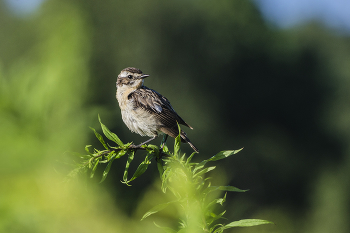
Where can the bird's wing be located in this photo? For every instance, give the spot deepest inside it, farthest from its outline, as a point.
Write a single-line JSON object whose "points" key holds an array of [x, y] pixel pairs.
{"points": [[155, 103]]}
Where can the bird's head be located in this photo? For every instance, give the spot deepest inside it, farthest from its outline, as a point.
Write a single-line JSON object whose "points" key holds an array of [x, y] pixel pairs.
{"points": [[131, 78]]}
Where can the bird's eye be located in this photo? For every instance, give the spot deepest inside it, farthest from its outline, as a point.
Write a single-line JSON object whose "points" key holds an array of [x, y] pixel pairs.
{"points": [[129, 76]]}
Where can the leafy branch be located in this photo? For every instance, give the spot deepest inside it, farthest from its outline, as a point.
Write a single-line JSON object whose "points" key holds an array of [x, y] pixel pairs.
{"points": [[184, 179], [91, 161]]}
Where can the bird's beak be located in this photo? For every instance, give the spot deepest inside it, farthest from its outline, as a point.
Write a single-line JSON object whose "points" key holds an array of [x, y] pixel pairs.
{"points": [[144, 76]]}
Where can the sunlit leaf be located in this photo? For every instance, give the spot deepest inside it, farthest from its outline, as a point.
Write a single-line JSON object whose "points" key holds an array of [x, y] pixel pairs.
{"points": [[201, 184], [105, 172], [182, 157], [224, 154], [100, 138], [231, 189], [111, 136], [130, 158], [140, 170], [205, 170], [120, 154], [245, 223], [165, 149], [87, 149], [152, 149], [190, 158], [221, 200], [199, 166], [215, 217], [217, 201], [156, 209], [177, 142], [94, 168], [215, 226], [222, 188]]}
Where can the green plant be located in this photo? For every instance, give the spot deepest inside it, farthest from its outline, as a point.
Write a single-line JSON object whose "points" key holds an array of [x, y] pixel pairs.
{"points": [[185, 180]]}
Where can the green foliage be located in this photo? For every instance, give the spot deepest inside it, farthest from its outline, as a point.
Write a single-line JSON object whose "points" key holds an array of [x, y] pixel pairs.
{"points": [[285, 93], [186, 180], [91, 161]]}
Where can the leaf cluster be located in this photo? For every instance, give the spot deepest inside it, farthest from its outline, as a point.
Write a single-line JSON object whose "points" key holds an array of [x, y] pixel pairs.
{"points": [[92, 159], [185, 179], [187, 182]]}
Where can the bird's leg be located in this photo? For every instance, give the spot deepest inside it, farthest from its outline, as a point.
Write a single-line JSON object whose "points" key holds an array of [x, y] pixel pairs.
{"points": [[162, 144], [165, 137], [138, 146]]}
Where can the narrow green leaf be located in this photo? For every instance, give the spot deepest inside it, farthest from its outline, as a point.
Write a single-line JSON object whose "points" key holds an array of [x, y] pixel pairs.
{"points": [[94, 168], [85, 156], [190, 158], [165, 177], [224, 154], [200, 165], [215, 217], [105, 172], [231, 189], [152, 149], [149, 157], [87, 149], [182, 157], [111, 136], [246, 223], [210, 189], [165, 149], [212, 203], [215, 226], [120, 154], [130, 158], [222, 188], [100, 138], [217, 201], [219, 230], [156, 209], [165, 229], [139, 171], [202, 183], [177, 142], [221, 200], [205, 170]]}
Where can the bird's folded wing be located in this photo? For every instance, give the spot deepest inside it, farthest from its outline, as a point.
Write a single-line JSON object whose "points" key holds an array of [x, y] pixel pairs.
{"points": [[155, 103]]}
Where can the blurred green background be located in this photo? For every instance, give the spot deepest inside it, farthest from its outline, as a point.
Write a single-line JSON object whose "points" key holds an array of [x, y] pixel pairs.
{"points": [[238, 80]]}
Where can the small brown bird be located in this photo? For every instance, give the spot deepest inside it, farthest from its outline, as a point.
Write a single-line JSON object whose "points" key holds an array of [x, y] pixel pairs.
{"points": [[145, 111]]}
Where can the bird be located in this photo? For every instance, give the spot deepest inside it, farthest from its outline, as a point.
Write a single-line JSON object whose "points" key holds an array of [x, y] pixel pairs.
{"points": [[145, 111]]}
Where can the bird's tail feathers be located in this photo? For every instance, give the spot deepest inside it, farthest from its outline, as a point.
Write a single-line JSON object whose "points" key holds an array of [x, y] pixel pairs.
{"points": [[184, 138], [174, 132]]}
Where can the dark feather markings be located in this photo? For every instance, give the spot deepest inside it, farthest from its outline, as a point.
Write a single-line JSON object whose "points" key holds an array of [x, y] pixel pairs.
{"points": [[160, 107], [156, 104], [133, 70]]}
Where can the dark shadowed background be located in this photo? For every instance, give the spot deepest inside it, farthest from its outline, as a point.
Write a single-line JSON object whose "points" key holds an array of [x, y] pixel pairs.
{"points": [[233, 69]]}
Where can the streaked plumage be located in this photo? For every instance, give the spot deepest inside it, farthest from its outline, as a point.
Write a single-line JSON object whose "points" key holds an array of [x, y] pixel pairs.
{"points": [[145, 111]]}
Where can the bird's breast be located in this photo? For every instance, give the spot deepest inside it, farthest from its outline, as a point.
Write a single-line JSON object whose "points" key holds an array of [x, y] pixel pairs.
{"points": [[140, 121], [136, 118]]}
